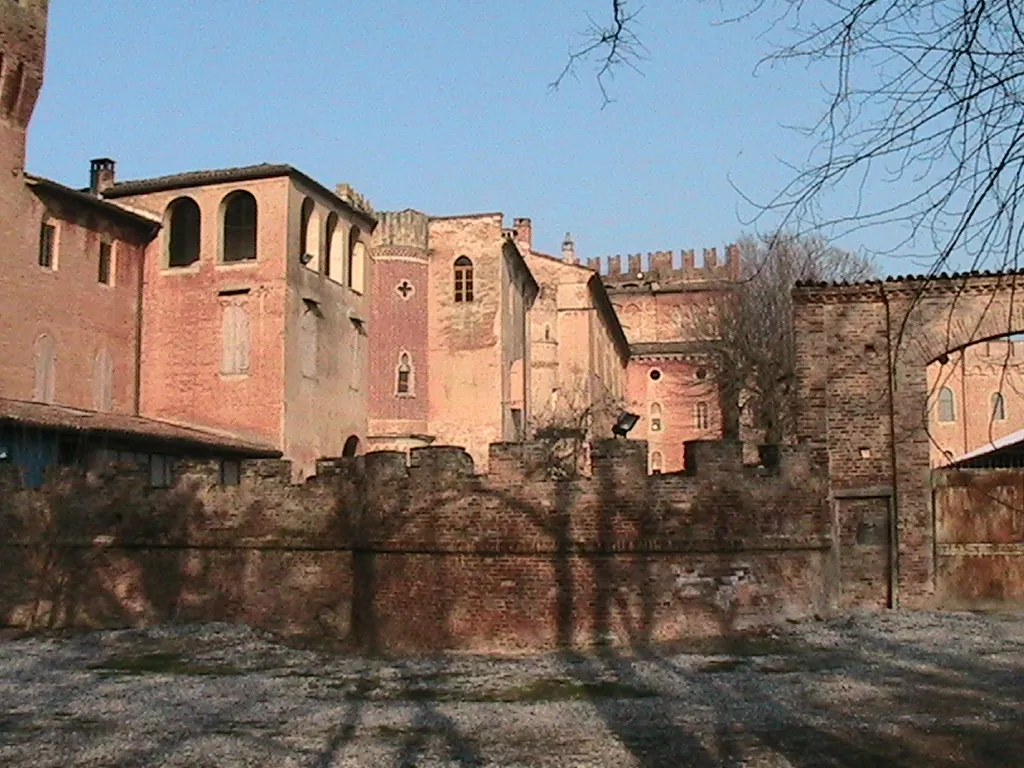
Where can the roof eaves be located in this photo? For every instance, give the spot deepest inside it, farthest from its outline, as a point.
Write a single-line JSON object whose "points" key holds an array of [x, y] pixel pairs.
{"points": [[147, 220]]}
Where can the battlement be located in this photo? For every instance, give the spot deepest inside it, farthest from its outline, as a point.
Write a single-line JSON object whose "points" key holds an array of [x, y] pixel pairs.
{"points": [[355, 199], [408, 228], [664, 268]]}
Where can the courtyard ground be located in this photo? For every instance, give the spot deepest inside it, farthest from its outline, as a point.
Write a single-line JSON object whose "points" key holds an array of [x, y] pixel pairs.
{"points": [[914, 689]]}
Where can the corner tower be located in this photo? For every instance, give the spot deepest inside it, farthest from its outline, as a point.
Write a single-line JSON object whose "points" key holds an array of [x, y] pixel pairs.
{"points": [[22, 61]]}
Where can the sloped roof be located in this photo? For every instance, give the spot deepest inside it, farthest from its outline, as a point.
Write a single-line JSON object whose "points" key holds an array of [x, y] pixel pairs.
{"points": [[65, 418], [92, 201], [227, 175]]}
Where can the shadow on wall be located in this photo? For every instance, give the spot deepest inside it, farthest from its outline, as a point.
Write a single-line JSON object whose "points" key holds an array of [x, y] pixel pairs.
{"points": [[376, 555]]}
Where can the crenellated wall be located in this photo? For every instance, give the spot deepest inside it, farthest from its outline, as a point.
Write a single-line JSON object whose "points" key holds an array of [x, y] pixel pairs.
{"points": [[380, 555], [658, 267]]}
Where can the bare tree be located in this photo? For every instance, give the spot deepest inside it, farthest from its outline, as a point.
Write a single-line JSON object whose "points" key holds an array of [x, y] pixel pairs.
{"points": [[750, 329], [569, 422], [930, 92]]}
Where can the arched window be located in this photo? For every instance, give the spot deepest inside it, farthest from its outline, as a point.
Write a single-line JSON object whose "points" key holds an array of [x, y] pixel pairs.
{"points": [[463, 279], [183, 238], [356, 260], [332, 247], [403, 383], [305, 214], [351, 446], [655, 417], [46, 364], [310, 236], [947, 405], [308, 342], [656, 463], [998, 407], [103, 381], [239, 227]]}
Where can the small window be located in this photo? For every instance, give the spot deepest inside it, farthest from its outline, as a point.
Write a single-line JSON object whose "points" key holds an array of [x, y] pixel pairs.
{"points": [[356, 260], [656, 462], [104, 273], [239, 234], [947, 405], [702, 373], [46, 363], [331, 261], [235, 340], [305, 214], [230, 472], [183, 233], [47, 245], [161, 471], [463, 279], [308, 342], [655, 417], [998, 407], [404, 380], [702, 415], [655, 374], [517, 423]]}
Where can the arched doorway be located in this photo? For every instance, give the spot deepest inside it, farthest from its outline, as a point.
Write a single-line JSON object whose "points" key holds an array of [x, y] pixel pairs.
{"points": [[351, 446]]}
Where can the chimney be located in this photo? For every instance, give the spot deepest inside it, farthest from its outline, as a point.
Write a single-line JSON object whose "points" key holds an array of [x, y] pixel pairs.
{"points": [[522, 233], [101, 175], [569, 250]]}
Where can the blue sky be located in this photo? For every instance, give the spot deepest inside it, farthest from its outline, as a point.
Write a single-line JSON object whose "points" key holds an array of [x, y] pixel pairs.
{"points": [[442, 106]]}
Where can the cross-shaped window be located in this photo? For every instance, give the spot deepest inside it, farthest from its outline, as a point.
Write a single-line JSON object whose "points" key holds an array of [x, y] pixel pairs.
{"points": [[404, 289]]}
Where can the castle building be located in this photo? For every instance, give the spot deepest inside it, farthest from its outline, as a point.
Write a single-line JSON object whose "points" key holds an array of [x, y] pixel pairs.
{"points": [[255, 306], [450, 352], [976, 397], [71, 278], [253, 311], [579, 351], [668, 315]]}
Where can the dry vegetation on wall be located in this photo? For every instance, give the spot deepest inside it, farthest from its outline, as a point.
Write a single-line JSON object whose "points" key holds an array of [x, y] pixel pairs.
{"points": [[376, 555], [567, 426]]}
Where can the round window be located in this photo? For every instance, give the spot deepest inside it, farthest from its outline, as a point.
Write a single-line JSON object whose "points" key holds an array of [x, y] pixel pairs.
{"points": [[655, 374]]}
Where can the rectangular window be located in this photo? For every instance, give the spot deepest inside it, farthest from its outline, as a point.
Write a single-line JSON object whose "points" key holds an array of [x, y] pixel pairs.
{"points": [[161, 473], [230, 472], [703, 418], [517, 423], [47, 242], [104, 272], [234, 340]]}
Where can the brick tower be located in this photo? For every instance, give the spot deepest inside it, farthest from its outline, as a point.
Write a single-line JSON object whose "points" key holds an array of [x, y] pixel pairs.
{"points": [[22, 58], [399, 364]]}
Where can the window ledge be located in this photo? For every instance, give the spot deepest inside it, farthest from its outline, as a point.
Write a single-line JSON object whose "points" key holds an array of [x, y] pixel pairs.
{"points": [[191, 269], [406, 395], [234, 376], [236, 264]]}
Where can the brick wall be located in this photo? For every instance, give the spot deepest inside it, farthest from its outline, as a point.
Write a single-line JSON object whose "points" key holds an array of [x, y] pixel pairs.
{"points": [[385, 556]]}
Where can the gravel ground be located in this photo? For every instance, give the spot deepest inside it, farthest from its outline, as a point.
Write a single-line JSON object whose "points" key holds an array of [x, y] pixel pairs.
{"points": [[922, 689]]}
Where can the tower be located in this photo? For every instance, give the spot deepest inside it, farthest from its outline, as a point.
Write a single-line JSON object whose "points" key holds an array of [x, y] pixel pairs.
{"points": [[22, 60]]}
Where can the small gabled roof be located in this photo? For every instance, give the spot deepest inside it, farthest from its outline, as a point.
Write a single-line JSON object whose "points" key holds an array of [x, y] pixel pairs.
{"points": [[89, 200]]}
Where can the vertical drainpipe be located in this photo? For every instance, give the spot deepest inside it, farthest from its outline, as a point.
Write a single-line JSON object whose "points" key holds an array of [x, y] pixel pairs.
{"points": [[894, 550]]}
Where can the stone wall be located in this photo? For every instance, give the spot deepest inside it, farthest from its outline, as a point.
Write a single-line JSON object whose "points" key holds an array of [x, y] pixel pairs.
{"points": [[384, 556]]}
